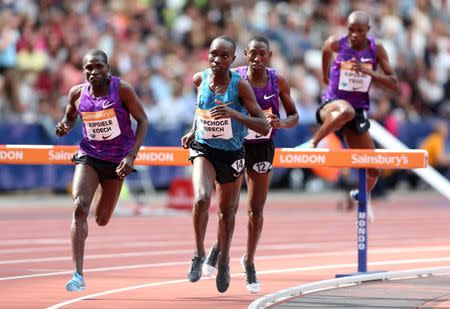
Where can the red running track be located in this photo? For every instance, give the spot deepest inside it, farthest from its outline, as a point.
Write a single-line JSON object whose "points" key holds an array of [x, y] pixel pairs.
{"points": [[141, 262]]}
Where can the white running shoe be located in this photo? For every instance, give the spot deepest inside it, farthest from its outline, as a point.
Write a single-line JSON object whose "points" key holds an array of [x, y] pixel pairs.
{"points": [[369, 209], [210, 266]]}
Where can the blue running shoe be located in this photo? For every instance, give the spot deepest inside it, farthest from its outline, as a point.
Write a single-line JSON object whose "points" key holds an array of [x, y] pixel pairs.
{"points": [[222, 278], [195, 272], [76, 283]]}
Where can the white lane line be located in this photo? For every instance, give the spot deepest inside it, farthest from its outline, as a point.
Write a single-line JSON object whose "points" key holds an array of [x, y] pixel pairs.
{"points": [[64, 241], [269, 244], [259, 258], [100, 246], [264, 272], [276, 246], [75, 300], [92, 270], [98, 256], [187, 251]]}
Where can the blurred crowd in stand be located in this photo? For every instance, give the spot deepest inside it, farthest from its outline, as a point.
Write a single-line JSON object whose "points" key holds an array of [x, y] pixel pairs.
{"points": [[158, 44]]}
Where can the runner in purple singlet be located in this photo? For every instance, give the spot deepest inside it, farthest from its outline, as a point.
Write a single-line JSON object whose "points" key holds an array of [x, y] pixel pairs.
{"points": [[349, 76], [107, 149]]}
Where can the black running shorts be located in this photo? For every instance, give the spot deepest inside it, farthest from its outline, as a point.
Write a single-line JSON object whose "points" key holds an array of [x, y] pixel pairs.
{"points": [[105, 169], [259, 156], [360, 123], [229, 165]]}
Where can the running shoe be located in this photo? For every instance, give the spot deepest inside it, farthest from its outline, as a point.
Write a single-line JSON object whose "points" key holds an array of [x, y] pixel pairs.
{"points": [[77, 283], [354, 198], [195, 272], [222, 278], [210, 265], [251, 283]]}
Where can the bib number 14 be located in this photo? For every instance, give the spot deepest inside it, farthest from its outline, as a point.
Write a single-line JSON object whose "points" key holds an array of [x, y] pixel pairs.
{"points": [[238, 165]]}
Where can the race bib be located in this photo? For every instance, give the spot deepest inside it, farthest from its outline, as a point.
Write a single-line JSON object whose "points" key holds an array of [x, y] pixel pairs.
{"points": [[252, 135], [101, 125], [262, 167], [213, 128], [238, 165], [350, 80]]}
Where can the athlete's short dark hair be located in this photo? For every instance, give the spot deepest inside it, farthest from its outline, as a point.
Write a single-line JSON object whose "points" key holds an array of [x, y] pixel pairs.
{"points": [[229, 40], [98, 52], [261, 39]]}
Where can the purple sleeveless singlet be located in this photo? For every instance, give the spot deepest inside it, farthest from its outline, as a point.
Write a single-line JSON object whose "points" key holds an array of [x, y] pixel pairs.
{"points": [[267, 98], [107, 132], [346, 84]]}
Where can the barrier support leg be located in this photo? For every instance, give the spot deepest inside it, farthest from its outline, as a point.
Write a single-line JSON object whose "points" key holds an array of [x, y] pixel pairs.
{"points": [[362, 221], [361, 226]]}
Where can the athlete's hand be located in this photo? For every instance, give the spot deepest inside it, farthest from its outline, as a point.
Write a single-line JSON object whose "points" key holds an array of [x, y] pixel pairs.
{"points": [[62, 128], [125, 167], [358, 67], [274, 121], [187, 139], [221, 110]]}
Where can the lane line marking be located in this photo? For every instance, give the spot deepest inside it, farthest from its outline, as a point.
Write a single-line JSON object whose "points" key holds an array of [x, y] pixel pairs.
{"points": [[187, 251], [178, 263], [264, 272]]}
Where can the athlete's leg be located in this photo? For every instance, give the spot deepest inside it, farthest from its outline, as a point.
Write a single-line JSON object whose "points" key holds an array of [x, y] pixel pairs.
{"points": [[257, 188], [362, 141], [228, 201], [85, 182], [334, 116], [107, 196], [203, 177]]}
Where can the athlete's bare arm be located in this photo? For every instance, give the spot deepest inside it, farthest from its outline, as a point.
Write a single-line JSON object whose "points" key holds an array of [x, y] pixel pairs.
{"points": [[134, 106], [187, 139], [330, 46], [388, 80], [70, 114], [197, 79], [292, 117]]}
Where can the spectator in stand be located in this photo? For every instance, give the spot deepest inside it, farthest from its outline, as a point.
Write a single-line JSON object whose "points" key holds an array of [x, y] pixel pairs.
{"points": [[9, 35], [435, 143]]}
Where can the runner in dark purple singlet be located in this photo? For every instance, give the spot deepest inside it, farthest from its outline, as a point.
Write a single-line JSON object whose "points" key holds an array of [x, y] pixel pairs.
{"points": [[349, 76], [107, 149]]}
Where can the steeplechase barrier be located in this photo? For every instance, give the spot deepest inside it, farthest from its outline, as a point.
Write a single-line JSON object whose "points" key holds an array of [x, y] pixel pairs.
{"points": [[361, 159]]}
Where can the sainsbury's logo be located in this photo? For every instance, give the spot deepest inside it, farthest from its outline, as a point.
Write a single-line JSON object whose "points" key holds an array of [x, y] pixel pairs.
{"points": [[394, 160]]}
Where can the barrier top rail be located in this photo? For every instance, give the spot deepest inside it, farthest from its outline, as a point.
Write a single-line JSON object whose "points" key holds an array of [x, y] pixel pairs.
{"points": [[284, 157]]}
